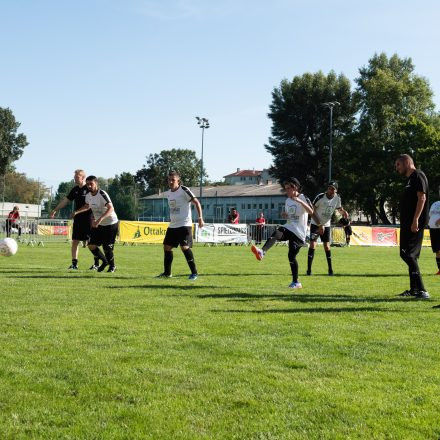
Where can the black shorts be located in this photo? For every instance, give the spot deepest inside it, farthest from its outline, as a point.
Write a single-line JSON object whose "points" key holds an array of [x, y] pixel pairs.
{"points": [[104, 235], [178, 237], [314, 233], [287, 235], [81, 227], [348, 230], [411, 242], [434, 233]]}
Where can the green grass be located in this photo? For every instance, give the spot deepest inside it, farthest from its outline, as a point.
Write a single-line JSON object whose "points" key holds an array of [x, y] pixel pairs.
{"points": [[233, 355]]}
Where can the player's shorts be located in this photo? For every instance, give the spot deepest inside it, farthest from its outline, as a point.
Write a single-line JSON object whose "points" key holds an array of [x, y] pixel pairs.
{"points": [[410, 242], [314, 233], [104, 235], [348, 230], [81, 227], [178, 237], [434, 233]]}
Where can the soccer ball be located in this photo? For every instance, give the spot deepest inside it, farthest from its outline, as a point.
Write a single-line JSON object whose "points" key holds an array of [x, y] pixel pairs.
{"points": [[8, 247]]}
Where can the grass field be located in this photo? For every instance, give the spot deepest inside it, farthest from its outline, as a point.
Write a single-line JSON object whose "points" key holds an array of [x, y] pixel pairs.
{"points": [[233, 355]]}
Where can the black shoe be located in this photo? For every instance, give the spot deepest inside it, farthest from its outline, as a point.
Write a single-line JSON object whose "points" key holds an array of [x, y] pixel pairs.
{"points": [[421, 294], [436, 307], [309, 272], [93, 267], [407, 293], [164, 275], [330, 273], [111, 269], [102, 267], [73, 267]]}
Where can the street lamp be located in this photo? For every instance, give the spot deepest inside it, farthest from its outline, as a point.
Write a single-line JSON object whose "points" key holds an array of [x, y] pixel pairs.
{"points": [[330, 105], [203, 123]]}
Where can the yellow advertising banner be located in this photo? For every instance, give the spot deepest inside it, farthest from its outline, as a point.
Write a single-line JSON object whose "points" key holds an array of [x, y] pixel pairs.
{"points": [[362, 235], [142, 232], [426, 238]]}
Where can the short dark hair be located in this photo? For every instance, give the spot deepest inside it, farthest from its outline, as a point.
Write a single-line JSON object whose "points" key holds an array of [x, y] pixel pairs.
{"points": [[175, 174], [293, 181], [90, 178]]}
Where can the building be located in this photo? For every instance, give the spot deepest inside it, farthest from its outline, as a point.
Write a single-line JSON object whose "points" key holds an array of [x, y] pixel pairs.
{"points": [[249, 177], [217, 201]]}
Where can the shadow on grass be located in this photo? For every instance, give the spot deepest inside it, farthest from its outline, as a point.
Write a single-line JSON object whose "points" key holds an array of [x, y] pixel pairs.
{"points": [[363, 275], [311, 310], [167, 286], [75, 276]]}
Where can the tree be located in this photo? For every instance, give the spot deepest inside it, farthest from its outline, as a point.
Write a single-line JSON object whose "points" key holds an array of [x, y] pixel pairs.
{"points": [[123, 192], [11, 143], [396, 115], [301, 126], [152, 177], [18, 188], [63, 190]]}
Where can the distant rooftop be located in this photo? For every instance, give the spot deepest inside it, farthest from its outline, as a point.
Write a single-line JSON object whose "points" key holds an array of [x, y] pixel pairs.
{"points": [[245, 173]]}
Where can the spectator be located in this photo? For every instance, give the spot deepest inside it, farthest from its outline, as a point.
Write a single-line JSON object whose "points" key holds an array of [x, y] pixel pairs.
{"points": [[13, 220], [234, 217], [260, 221]]}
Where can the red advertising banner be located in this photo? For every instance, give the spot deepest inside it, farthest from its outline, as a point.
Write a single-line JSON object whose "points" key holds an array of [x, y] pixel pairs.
{"points": [[384, 236], [60, 230]]}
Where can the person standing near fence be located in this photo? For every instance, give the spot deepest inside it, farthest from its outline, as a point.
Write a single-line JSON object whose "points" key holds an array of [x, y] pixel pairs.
{"points": [[13, 221], [104, 224], [325, 204], [297, 209], [260, 222], [434, 231], [413, 218], [81, 223], [234, 217], [179, 232]]}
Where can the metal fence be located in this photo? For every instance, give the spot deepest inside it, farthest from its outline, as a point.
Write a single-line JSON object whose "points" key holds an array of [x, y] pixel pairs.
{"points": [[36, 232]]}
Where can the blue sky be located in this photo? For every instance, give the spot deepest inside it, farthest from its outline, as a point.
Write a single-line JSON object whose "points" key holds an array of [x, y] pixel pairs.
{"points": [[101, 84]]}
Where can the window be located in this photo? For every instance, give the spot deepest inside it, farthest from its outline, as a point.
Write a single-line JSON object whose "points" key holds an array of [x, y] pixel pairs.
{"points": [[243, 206], [260, 206], [272, 206], [254, 206], [249, 206], [266, 206]]}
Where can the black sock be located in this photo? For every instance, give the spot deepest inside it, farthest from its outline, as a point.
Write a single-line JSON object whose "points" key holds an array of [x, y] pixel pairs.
{"points": [[328, 254], [276, 236], [74, 262], [96, 261], [108, 250], [167, 261], [190, 260], [438, 262], [310, 257], [99, 255]]}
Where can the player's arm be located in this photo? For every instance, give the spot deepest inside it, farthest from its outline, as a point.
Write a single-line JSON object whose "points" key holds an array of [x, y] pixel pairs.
{"points": [[308, 208], [60, 205], [343, 212], [421, 200], [198, 206], [83, 208]]}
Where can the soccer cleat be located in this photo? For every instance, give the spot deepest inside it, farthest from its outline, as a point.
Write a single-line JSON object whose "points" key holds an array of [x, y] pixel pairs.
{"points": [[112, 269], [164, 275], [407, 293], [295, 285], [421, 294], [436, 307], [309, 272], [438, 273], [93, 267], [193, 276], [259, 254], [73, 267], [102, 267], [330, 273]]}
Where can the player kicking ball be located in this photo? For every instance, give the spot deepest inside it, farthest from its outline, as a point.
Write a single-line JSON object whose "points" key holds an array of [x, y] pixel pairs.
{"points": [[297, 209]]}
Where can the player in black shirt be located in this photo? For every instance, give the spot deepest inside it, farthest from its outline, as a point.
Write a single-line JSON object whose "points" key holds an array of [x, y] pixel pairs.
{"points": [[413, 219], [81, 222]]}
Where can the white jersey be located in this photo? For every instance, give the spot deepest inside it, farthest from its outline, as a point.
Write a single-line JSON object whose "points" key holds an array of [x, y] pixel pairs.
{"points": [[179, 202], [325, 207], [434, 215], [297, 217], [98, 205]]}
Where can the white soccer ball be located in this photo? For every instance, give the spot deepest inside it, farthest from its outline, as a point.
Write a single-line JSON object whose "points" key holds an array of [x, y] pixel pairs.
{"points": [[8, 247]]}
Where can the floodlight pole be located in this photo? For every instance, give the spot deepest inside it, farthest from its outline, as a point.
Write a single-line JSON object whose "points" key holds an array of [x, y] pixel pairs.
{"points": [[203, 123], [330, 105]]}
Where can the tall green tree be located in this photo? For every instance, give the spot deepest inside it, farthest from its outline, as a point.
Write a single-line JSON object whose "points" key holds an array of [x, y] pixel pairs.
{"points": [[396, 115], [152, 177], [301, 126], [11, 143], [18, 188], [124, 194]]}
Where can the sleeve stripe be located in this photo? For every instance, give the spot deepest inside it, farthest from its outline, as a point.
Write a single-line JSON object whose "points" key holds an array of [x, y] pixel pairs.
{"points": [[105, 196], [188, 191]]}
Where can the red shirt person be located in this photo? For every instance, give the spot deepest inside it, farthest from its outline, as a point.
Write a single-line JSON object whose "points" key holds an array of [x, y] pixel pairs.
{"points": [[234, 217], [12, 220]]}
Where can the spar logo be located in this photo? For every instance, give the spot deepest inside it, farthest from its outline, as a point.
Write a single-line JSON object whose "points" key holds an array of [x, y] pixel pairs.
{"points": [[385, 236], [137, 234]]}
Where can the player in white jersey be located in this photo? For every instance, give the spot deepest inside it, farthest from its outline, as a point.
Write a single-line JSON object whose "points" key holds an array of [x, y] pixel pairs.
{"points": [[179, 232], [104, 224], [434, 231], [297, 209], [325, 204]]}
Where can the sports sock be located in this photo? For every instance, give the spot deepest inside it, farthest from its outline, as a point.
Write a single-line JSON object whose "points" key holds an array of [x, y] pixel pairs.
{"points": [[437, 259], [276, 236], [328, 254], [310, 257], [167, 261], [99, 255], [190, 260], [74, 262], [108, 250]]}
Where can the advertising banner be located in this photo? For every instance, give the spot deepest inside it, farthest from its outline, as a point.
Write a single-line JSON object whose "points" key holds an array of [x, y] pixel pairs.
{"points": [[222, 233], [53, 230], [362, 235], [142, 232], [384, 236]]}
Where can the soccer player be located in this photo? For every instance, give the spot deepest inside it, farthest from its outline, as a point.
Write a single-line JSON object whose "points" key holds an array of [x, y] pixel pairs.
{"points": [[434, 231], [413, 219], [179, 232], [325, 204], [81, 223], [297, 209], [104, 224]]}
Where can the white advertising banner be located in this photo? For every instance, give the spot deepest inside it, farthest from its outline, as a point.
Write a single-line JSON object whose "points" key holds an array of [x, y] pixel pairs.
{"points": [[222, 233]]}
